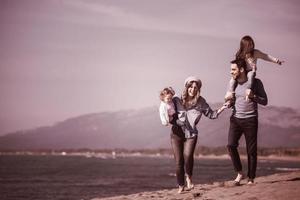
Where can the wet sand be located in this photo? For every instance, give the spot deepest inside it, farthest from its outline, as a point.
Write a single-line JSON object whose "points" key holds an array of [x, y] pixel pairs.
{"points": [[275, 187]]}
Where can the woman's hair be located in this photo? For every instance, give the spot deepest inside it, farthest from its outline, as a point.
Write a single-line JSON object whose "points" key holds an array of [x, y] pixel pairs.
{"points": [[186, 102], [246, 48], [166, 91]]}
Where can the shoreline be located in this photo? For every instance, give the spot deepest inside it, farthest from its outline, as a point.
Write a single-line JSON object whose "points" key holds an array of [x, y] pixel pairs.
{"points": [[115, 155], [276, 187]]}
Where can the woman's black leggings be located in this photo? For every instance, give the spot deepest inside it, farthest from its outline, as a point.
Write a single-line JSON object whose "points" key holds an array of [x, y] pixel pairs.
{"points": [[183, 150]]}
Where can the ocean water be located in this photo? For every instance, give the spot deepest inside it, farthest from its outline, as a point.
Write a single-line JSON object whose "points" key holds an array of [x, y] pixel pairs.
{"points": [[77, 177]]}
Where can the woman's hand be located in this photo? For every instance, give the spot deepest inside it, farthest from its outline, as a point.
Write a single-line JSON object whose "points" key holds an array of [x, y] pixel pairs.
{"points": [[224, 106]]}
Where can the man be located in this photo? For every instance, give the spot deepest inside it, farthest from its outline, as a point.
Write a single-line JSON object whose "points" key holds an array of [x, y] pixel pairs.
{"points": [[244, 120]]}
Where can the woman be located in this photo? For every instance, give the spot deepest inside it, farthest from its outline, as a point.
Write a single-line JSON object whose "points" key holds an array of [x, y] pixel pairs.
{"points": [[184, 132]]}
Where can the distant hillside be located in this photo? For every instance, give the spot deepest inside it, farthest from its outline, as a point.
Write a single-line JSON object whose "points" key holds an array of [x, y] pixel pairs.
{"points": [[142, 129]]}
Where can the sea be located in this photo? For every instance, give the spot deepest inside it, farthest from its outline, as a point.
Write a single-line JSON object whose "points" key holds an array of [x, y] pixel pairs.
{"points": [[54, 177]]}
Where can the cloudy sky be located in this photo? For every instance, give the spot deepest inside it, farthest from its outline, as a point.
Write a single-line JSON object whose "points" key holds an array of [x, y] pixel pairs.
{"points": [[64, 58]]}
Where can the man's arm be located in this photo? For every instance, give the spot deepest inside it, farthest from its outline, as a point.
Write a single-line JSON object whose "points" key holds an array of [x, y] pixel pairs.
{"points": [[259, 95]]}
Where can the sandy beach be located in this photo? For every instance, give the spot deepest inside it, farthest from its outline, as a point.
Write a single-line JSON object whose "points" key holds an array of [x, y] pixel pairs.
{"points": [[275, 187]]}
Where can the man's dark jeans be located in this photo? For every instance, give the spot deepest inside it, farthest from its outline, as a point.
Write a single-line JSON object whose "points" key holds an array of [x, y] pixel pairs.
{"points": [[248, 127], [183, 150]]}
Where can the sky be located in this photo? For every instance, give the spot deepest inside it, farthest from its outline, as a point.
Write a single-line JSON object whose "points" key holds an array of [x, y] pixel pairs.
{"points": [[65, 58]]}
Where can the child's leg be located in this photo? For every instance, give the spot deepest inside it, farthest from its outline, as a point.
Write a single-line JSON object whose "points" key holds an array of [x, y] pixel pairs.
{"points": [[230, 93], [232, 85], [251, 75]]}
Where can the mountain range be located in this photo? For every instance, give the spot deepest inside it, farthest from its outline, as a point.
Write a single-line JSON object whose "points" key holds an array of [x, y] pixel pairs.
{"points": [[139, 129]]}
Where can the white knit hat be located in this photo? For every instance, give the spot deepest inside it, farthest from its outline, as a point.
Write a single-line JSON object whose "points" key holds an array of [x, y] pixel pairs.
{"points": [[191, 79]]}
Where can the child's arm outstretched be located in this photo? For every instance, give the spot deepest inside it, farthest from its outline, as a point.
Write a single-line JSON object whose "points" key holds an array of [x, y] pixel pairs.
{"points": [[266, 57]]}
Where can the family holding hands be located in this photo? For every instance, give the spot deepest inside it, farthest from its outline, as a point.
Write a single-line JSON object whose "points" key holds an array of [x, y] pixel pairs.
{"points": [[244, 93]]}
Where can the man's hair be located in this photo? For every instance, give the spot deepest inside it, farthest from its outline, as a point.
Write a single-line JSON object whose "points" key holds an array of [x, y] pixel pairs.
{"points": [[241, 63]]}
